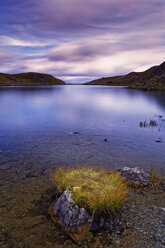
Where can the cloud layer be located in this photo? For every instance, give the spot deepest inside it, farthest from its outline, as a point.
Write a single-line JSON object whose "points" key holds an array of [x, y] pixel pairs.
{"points": [[81, 40]]}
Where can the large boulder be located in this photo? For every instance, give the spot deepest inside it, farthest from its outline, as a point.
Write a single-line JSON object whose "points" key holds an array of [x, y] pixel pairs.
{"points": [[75, 221]]}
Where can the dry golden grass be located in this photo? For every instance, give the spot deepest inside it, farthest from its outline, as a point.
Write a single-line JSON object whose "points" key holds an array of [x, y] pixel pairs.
{"points": [[99, 190]]}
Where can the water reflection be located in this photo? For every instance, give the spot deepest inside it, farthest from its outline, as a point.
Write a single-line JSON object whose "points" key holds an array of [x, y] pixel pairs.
{"points": [[40, 122]]}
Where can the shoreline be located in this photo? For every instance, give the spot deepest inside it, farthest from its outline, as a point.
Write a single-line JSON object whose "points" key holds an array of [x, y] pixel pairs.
{"points": [[25, 220]]}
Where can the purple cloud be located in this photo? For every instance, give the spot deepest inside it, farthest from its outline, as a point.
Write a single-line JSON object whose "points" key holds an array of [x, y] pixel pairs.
{"points": [[60, 16], [70, 38]]}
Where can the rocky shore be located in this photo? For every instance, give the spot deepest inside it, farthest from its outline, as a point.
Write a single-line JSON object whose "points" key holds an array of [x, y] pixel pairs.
{"points": [[79, 224], [25, 219]]}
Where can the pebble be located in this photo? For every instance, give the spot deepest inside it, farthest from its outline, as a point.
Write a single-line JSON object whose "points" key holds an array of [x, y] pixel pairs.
{"points": [[5, 167]]}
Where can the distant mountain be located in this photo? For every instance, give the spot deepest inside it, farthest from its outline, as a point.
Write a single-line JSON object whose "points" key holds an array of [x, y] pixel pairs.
{"points": [[30, 78], [151, 79]]}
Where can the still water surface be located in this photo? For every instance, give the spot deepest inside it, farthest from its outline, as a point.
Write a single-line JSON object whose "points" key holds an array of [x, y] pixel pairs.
{"points": [[53, 125]]}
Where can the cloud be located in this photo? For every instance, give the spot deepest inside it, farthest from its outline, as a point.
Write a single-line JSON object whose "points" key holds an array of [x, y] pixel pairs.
{"points": [[61, 16], [87, 50], [75, 39], [76, 51], [4, 57], [11, 41]]}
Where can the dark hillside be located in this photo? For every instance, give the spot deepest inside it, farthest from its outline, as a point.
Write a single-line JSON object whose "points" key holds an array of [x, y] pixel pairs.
{"points": [[30, 78], [153, 78]]}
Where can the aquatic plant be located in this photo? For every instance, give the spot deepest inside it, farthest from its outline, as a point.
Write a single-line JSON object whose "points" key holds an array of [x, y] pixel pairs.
{"points": [[151, 123], [95, 188]]}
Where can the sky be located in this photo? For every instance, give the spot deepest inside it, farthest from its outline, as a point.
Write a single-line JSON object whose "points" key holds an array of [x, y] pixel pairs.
{"points": [[81, 40]]}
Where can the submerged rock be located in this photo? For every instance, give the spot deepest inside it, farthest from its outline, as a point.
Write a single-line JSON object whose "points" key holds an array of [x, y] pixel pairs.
{"points": [[5, 167], [135, 175]]}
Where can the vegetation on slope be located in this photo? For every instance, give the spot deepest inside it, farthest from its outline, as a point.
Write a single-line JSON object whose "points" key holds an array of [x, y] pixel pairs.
{"points": [[30, 78], [93, 188], [153, 78]]}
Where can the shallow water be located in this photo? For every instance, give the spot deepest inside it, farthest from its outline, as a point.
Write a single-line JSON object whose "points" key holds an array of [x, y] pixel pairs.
{"points": [[37, 126]]}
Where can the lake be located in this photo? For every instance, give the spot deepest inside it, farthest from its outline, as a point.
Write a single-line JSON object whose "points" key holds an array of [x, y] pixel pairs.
{"points": [[42, 128], [66, 125]]}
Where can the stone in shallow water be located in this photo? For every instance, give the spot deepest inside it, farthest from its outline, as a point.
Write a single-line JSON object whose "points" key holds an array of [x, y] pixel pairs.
{"points": [[5, 167], [135, 175]]}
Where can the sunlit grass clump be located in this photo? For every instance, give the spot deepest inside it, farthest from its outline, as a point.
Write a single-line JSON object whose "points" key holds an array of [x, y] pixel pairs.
{"points": [[96, 189]]}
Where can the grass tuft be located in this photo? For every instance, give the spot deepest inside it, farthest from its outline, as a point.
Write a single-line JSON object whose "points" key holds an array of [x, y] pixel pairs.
{"points": [[99, 191], [156, 179]]}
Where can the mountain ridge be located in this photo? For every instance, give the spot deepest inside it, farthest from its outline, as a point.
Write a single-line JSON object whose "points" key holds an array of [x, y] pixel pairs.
{"points": [[151, 79], [28, 79]]}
